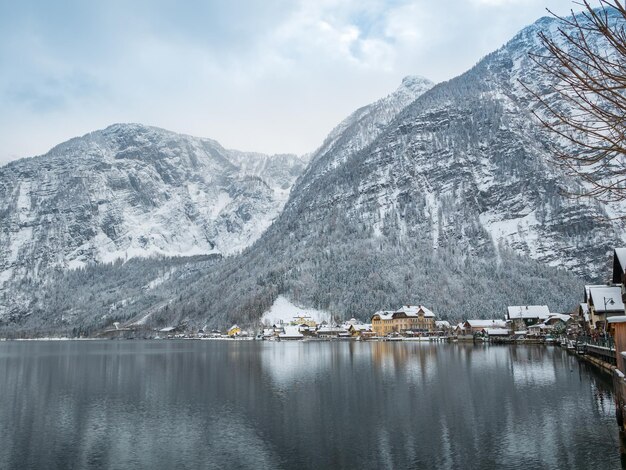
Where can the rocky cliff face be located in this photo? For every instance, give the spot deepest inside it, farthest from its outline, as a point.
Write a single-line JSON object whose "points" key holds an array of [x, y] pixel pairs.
{"points": [[134, 191], [465, 165]]}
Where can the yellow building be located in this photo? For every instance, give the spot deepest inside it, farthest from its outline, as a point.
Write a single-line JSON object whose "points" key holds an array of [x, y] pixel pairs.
{"points": [[303, 320], [416, 319], [233, 330], [362, 330]]}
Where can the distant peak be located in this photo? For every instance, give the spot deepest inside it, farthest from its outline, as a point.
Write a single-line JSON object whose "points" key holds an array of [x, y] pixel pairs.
{"points": [[411, 81], [131, 126]]}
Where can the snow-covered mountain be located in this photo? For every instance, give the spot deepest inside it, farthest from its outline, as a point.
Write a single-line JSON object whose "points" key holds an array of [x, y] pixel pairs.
{"points": [[131, 190], [362, 127], [472, 164], [454, 203], [441, 195]]}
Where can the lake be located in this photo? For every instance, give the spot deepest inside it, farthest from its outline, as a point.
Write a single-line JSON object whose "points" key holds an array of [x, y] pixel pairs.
{"points": [[253, 404]]}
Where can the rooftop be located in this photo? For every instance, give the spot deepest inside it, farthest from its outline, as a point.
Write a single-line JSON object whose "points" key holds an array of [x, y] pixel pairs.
{"points": [[606, 298], [496, 331], [528, 311], [486, 323]]}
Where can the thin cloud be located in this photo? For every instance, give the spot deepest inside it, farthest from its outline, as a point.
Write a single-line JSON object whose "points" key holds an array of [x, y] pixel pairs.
{"points": [[263, 75]]}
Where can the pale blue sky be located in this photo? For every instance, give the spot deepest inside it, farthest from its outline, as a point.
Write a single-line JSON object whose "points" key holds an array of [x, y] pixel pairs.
{"points": [[263, 75]]}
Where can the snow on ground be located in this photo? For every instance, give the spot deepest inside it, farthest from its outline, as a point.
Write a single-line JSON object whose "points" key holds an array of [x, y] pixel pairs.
{"points": [[283, 309]]}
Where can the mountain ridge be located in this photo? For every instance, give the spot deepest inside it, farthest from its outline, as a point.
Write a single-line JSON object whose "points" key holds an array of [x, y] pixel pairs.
{"points": [[126, 176]]}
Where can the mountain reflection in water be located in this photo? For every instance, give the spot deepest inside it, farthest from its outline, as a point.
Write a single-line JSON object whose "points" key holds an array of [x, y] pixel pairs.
{"points": [[219, 404]]}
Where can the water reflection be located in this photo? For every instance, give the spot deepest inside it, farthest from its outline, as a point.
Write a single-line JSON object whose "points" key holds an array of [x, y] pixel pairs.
{"points": [[301, 405]]}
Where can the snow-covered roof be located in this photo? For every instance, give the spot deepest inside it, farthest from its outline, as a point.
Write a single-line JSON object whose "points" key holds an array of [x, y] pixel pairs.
{"points": [[331, 329], [607, 298], [384, 314], [584, 308], [167, 329], [414, 310], [496, 332], [361, 327], [233, 327], [588, 289], [291, 332], [486, 323], [442, 323], [408, 310], [617, 319], [528, 311], [560, 316]]}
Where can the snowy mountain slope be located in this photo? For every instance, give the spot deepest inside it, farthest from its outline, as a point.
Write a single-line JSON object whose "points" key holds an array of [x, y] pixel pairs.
{"points": [[362, 127], [474, 162], [132, 190]]}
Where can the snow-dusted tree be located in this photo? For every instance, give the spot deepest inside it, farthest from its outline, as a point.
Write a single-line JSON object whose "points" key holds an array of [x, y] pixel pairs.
{"points": [[586, 100]]}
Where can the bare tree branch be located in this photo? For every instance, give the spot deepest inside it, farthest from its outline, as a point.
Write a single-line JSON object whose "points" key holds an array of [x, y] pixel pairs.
{"points": [[585, 104]]}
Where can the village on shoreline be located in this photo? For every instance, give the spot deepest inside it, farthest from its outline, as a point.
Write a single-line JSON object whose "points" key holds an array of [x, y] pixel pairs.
{"points": [[522, 324], [591, 320]]}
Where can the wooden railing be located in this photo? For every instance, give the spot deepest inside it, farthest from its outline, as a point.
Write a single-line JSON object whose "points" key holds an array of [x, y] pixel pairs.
{"points": [[601, 348]]}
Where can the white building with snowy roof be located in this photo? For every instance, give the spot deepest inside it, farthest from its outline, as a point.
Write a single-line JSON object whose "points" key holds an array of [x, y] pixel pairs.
{"points": [[604, 302], [291, 332], [525, 315], [333, 331], [477, 326], [556, 322], [496, 332]]}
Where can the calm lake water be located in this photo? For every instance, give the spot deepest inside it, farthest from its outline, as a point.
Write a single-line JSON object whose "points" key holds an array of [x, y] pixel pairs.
{"points": [[218, 404]]}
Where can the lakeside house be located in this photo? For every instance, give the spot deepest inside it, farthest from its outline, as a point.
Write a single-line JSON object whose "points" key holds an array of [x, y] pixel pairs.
{"points": [[470, 327], [363, 330], [556, 323], [233, 331], [496, 332], [604, 302], [559, 321], [442, 327], [416, 319], [523, 316], [332, 332], [291, 332]]}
